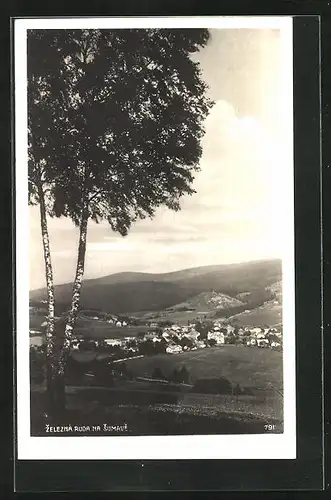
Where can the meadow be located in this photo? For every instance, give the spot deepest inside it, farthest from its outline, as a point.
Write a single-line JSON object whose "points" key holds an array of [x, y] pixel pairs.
{"points": [[95, 329], [161, 408], [269, 314], [246, 366]]}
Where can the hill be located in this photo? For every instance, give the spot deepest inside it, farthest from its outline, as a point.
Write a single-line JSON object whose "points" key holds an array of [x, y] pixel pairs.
{"points": [[206, 301], [134, 292], [277, 290], [269, 314]]}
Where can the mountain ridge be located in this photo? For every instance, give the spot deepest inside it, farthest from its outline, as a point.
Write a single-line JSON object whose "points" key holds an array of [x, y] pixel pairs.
{"points": [[130, 291]]}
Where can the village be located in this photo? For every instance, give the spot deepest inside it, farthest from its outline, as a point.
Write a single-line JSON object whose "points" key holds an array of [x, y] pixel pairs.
{"points": [[174, 339]]}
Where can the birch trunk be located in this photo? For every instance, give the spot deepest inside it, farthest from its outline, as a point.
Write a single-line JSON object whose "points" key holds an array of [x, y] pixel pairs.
{"points": [[76, 291], [50, 328]]}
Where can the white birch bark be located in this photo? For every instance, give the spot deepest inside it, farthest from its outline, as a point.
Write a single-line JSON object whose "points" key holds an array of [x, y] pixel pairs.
{"points": [[76, 291], [49, 282]]}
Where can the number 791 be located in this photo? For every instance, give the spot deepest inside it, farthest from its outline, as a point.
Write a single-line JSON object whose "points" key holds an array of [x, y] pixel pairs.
{"points": [[269, 427]]}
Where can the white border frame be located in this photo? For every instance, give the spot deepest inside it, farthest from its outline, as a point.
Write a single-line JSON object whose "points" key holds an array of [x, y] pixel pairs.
{"points": [[261, 446]]}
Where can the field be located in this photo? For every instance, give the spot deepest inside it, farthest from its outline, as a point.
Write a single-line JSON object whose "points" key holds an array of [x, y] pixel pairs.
{"points": [[159, 408], [156, 419], [246, 366], [95, 329], [100, 329], [269, 314]]}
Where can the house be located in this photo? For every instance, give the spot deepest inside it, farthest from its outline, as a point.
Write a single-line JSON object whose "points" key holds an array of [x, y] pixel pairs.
{"points": [[124, 323], [255, 331], [260, 335], [263, 342], [173, 349], [118, 323], [192, 334], [113, 342], [216, 328], [200, 344], [218, 336]]}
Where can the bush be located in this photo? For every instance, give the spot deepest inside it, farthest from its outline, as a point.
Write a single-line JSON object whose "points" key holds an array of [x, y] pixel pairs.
{"points": [[87, 345], [186, 342], [213, 386], [157, 374], [164, 323], [231, 339], [103, 373], [238, 390], [149, 348]]}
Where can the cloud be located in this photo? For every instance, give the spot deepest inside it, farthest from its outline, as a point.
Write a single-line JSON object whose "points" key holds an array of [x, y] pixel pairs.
{"points": [[116, 246]]}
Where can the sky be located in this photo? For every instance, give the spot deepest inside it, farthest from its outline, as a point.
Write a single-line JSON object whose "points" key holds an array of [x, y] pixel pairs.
{"points": [[236, 213]]}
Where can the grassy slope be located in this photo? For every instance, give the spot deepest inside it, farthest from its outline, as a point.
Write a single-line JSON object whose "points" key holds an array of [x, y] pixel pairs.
{"points": [[150, 412], [246, 366], [269, 314]]}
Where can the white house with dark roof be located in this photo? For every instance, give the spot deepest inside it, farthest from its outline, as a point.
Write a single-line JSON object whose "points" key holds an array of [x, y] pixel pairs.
{"points": [[113, 342], [174, 349], [256, 330], [217, 336]]}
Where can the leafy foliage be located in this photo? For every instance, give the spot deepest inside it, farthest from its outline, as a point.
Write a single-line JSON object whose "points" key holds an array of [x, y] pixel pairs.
{"points": [[115, 120]]}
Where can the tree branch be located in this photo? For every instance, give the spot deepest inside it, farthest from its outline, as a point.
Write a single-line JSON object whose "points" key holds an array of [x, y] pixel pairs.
{"points": [[95, 195]]}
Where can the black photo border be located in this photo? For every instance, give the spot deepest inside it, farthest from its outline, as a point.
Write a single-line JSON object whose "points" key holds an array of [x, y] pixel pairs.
{"points": [[306, 472]]}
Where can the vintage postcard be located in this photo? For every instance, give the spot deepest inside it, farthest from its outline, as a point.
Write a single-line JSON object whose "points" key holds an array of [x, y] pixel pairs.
{"points": [[155, 238]]}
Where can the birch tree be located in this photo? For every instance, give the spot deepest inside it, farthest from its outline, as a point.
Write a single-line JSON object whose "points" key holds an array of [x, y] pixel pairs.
{"points": [[127, 109], [40, 174]]}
